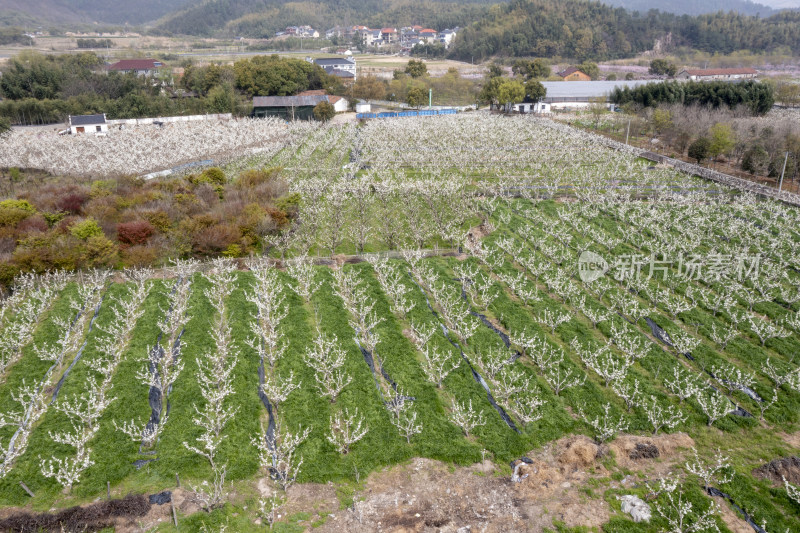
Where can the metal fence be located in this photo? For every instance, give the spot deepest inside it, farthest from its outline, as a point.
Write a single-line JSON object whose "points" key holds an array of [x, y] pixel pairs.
{"points": [[734, 182]]}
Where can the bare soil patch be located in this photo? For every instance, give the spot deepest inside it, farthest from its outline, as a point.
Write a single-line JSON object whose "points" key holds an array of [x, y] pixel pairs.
{"points": [[732, 519], [639, 453], [426, 495], [792, 439]]}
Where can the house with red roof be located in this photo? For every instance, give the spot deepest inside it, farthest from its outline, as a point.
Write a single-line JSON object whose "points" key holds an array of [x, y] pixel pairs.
{"points": [[140, 67], [389, 35], [428, 35]]}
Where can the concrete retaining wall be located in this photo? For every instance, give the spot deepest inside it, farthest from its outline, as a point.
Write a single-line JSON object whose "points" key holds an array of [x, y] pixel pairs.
{"points": [[187, 118]]}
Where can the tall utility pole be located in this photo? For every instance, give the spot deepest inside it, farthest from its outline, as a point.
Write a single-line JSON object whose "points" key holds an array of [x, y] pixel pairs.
{"points": [[785, 159], [627, 134], [430, 102]]}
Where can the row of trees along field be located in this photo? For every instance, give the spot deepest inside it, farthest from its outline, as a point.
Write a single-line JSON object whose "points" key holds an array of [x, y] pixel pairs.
{"points": [[589, 30], [710, 122], [757, 97], [43, 89]]}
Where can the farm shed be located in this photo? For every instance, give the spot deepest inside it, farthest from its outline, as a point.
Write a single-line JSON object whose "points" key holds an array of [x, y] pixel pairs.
{"points": [[340, 105], [287, 107], [88, 124], [562, 95], [725, 74]]}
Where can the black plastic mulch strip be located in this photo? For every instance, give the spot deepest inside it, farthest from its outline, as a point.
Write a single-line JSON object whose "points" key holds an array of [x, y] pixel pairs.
{"points": [[486, 322], [370, 363], [658, 332], [139, 463], [154, 394], [41, 384], [80, 352], [716, 492], [475, 373], [370, 360], [747, 390], [270, 436]]}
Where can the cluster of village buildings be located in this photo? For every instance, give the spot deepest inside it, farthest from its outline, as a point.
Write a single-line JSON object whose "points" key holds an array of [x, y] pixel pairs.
{"points": [[406, 38], [403, 38]]}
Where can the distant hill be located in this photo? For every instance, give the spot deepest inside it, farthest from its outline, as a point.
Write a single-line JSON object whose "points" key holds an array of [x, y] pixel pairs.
{"points": [[581, 30], [28, 12], [262, 18], [693, 7]]}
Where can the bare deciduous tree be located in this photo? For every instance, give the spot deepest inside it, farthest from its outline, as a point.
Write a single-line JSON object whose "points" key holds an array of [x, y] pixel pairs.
{"points": [[346, 429], [605, 426], [326, 358], [679, 512], [465, 417], [718, 471]]}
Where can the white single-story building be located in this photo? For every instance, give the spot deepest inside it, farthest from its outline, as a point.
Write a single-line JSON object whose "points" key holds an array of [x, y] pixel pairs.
{"points": [[363, 107], [529, 107], [339, 103], [724, 74], [88, 124]]}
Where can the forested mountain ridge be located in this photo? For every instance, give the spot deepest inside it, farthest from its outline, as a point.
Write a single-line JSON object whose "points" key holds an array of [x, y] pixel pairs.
{"points": [[582, 30], [262, 18], [14, 12]]}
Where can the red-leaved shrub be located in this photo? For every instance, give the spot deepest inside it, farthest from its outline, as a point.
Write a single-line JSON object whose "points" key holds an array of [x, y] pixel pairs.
{"points": [[136, 232], [72, 202]]}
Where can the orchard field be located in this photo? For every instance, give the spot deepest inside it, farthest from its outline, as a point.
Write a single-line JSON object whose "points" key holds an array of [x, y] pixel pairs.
{"points": [[455, 288]]}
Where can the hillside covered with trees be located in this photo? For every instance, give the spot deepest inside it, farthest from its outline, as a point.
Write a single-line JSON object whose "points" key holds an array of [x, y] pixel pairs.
{"points": [[262, 18], [589, 30], [28, 12]]}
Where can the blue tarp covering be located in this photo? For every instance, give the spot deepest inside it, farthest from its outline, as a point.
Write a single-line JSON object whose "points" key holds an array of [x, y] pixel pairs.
{"points": [[397, 114]]}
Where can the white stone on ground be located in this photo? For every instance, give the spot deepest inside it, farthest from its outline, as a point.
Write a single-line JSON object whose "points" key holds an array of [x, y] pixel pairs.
{"points": [[636, 507]]}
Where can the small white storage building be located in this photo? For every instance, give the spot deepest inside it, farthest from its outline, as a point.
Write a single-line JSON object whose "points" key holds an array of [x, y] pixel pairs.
{"points": [[88, 124], [339, 103], [529, 107], [363, 107]]}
